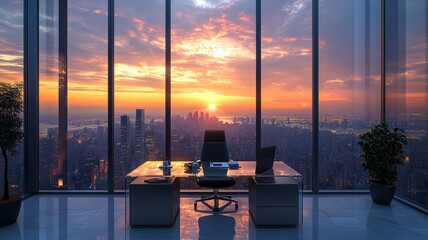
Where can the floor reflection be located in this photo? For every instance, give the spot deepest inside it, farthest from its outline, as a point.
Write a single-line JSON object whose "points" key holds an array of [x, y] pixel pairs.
{"points": [[103, 217], [13, 232], [214, 224]]}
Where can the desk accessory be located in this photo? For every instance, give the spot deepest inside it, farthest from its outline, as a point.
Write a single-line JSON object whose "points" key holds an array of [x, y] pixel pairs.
{"points": [[166, 168], [156, 180], [233, 164], [219, 165]]}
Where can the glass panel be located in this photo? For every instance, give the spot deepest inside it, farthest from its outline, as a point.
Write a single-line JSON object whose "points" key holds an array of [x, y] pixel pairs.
{"points": [[11, 71], [139, 85], [213, 76], [406, 90], [349, 102], [48, 94], [87, 95], [287, 82]]}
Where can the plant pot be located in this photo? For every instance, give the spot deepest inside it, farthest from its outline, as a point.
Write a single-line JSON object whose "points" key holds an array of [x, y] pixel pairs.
{"points": [[381, 193], [9, 210]]}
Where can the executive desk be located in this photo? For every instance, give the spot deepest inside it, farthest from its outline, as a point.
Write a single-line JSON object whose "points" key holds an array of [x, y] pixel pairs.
{"points": [[265, 198], [247, 169]]}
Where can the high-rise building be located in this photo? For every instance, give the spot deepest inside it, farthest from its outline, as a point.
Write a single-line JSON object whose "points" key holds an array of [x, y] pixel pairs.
{"points": [[139, 136], [124, 137], [195, 117], [189, 117], [150, 146], [122, 166]]}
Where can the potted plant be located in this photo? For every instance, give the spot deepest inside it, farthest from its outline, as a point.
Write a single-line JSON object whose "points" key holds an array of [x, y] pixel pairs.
{"points": [[382, 150], [11, 133]]}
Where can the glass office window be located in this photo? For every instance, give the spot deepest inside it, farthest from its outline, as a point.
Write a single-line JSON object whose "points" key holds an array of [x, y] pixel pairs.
{"points": [[11, 71], [213, 76], [139, 85], [349, 88], [87, 95], [48, 94], [406, 91], [287, 82]]}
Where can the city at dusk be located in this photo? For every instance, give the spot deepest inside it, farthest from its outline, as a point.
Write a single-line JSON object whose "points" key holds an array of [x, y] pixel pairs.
{"points": [[109, 86]]}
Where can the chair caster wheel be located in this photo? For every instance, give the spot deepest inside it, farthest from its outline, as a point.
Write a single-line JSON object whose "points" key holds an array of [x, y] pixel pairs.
{"points": [[236, 206], [195, 206]]}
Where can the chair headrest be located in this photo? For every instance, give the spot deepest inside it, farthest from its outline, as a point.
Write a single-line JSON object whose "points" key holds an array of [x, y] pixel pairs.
{"points": [[214, 136]]}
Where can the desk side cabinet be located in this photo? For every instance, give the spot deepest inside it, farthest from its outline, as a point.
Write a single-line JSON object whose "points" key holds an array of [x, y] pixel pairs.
{"points": [[274, 204], [154, 204]]}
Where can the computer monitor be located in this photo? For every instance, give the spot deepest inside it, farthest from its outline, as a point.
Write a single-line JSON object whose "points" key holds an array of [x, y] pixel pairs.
{"points": [[265, 159]]}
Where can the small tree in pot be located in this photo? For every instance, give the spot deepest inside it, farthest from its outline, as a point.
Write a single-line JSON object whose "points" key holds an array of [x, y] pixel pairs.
{"points": [[11, 133], [382, 151]]}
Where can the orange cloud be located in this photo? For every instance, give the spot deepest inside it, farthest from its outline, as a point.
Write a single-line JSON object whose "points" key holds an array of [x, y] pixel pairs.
{"points": [[100, 12], [244, 18], [340, 81], [289, 39], [226, 6], [132, 34], [140, 23], [267, 40]]}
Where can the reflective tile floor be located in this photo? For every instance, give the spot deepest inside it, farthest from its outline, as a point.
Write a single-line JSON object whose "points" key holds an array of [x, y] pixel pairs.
{"points": [[324, 217]]}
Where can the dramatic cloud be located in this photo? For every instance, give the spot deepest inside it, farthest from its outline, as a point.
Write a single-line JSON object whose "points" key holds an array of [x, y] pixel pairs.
{"points": [[213, 55]]}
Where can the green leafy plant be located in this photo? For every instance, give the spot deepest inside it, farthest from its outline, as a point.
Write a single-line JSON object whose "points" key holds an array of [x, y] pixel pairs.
{"points": [[11, 133], [382, 151]]}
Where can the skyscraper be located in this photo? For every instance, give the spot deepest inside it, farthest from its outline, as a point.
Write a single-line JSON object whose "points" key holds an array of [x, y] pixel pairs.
{"points": [[122, 167], [195, 117], [124, 137], [150, 146], [139, 136]]}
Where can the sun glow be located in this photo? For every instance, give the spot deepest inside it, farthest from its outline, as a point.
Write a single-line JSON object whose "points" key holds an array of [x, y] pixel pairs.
{"points": [[212, 107]]}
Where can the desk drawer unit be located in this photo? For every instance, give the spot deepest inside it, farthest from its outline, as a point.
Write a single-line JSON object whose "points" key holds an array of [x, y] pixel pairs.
{"points": [[154, 204], [274, 204]]}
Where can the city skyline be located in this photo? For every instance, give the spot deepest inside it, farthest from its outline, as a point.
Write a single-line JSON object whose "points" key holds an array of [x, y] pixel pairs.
{"points": [[344, 174]]}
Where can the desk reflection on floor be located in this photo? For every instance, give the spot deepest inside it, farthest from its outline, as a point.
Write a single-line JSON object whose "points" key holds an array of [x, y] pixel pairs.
{"points": [[211, 224]]}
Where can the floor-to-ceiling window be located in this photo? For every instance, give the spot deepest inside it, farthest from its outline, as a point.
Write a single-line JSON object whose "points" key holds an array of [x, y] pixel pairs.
{"points": [[73, 95], [213, 76], [406, 90], [87, 95], [139, 85], [349, 88], [214, 85], [11, 71], [48, 94], [287, 82]]}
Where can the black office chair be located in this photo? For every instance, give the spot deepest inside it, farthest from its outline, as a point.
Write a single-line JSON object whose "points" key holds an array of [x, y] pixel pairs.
{"points": [[215, 150]]}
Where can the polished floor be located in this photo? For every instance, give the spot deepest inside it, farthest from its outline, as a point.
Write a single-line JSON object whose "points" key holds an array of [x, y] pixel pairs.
{"points": [[324, 217]]}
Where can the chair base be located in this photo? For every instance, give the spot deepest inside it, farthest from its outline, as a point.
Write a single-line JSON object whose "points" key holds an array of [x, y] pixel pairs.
{"points": [[216, 199]]}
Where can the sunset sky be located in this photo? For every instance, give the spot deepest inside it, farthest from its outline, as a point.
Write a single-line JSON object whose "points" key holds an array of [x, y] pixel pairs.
{"points": [[213, 56]]}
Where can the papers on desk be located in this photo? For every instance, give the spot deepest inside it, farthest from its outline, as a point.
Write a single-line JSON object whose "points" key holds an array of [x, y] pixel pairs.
{"points": [[219, 165]]}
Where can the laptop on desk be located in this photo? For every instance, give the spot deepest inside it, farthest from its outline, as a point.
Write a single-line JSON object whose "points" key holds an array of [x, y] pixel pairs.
{"points": [[264, 165]]}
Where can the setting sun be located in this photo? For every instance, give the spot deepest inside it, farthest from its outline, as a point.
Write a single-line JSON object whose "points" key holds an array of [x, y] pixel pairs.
{"points": [[212, 107]]}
